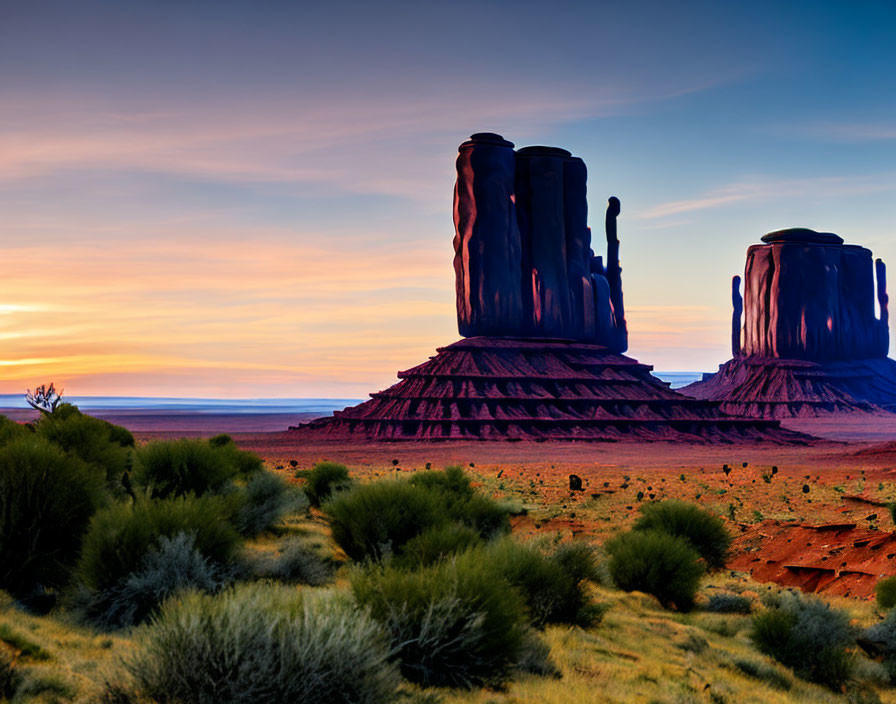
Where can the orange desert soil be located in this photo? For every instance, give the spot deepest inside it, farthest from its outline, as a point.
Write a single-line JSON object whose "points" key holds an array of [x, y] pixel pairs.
{"points": [[820, 522]]}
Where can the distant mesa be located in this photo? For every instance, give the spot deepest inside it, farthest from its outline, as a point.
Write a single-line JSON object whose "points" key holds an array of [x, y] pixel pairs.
{"points": [[543, 323], [810, 342]]}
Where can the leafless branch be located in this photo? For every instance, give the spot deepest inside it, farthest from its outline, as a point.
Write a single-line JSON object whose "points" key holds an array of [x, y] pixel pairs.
{"points": [[44, 398]]}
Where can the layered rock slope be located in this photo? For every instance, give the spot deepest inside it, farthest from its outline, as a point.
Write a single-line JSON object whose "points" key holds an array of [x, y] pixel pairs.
{"points": [[486, 388]]}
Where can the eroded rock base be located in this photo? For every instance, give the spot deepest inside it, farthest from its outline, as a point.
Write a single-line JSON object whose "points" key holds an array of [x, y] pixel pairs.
{"points": [[764, 387], [492, 388]]}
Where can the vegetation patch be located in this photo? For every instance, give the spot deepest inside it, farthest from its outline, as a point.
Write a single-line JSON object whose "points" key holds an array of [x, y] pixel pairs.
{"points": [[729, 604], [295, 561], [705, 531], [808, 636], [176, 468], [263, 645], [24, 647], [764, 673], [322, 480], [266, 499], [657, 563], [377, 520], [97, 442], [552, 578], [47, 498], [438, 542], [171, 566], [121, 536], [455, 624], [879, 641], [885, 592]]}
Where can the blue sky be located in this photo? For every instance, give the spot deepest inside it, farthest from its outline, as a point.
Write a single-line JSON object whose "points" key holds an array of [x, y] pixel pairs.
{"points": [[234, 199]]}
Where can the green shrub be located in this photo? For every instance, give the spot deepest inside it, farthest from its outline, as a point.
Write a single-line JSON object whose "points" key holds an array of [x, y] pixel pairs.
{"points": [[174, 468], [454, 624], [121, 536], [809, 636], [10, 430], [885, 591], [324, 479], [220, 440], [247, 463], [578, 559], [172, 566], [438, 542], [660, 564], [553, 580], [371, 521], [705, 531], [46, 500], [482, 513], [266, 499], [452, 482], [97, 442], [462, 502], [879, 640], [295, 561], [263, 645], [729, 604]]}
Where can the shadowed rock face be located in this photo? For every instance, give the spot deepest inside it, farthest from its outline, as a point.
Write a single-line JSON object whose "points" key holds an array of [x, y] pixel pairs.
{"points": [[489, 293], [523, 260], [737, 304], [808, 296]]}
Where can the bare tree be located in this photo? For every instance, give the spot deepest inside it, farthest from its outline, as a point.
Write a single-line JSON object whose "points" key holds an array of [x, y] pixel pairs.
{"points": [[44, 398]]}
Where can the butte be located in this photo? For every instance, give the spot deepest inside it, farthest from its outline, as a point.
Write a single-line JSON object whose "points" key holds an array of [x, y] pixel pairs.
{"points": [[543, 327], [810, 344]]}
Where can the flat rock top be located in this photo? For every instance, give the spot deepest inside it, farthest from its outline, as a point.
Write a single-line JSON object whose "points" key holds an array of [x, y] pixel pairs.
{"points": [[802, 235], [543, 151], [487, 138]]}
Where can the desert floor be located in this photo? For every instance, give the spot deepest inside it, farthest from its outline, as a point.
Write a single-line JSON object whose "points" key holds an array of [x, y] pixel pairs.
{"points": [[844, 480], [820, 522]]}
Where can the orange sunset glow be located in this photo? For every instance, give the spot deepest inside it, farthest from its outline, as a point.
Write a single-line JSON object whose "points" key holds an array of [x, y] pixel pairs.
{"points": [[268, 212]]}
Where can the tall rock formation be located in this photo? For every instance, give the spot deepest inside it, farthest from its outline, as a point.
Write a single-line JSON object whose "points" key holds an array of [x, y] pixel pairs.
{"points": [[522, 248], [544, 324], [811, 342]]}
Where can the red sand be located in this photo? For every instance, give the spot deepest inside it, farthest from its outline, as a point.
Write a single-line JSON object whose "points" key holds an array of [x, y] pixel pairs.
{"points": [[836, 558]]}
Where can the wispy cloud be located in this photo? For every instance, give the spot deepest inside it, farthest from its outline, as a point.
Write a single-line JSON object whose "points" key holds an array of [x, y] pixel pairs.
{"points": [[847, 132], [388, 146], [307, 315], [767, 188]]}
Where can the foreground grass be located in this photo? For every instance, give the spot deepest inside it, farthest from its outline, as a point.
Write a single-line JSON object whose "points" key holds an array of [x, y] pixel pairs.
{"points": [[639, 653], [642, 653], [72, 663]]}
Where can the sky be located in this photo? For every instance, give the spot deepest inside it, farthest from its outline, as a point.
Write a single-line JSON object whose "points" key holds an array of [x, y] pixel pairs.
{"points": [[253, 199]]}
